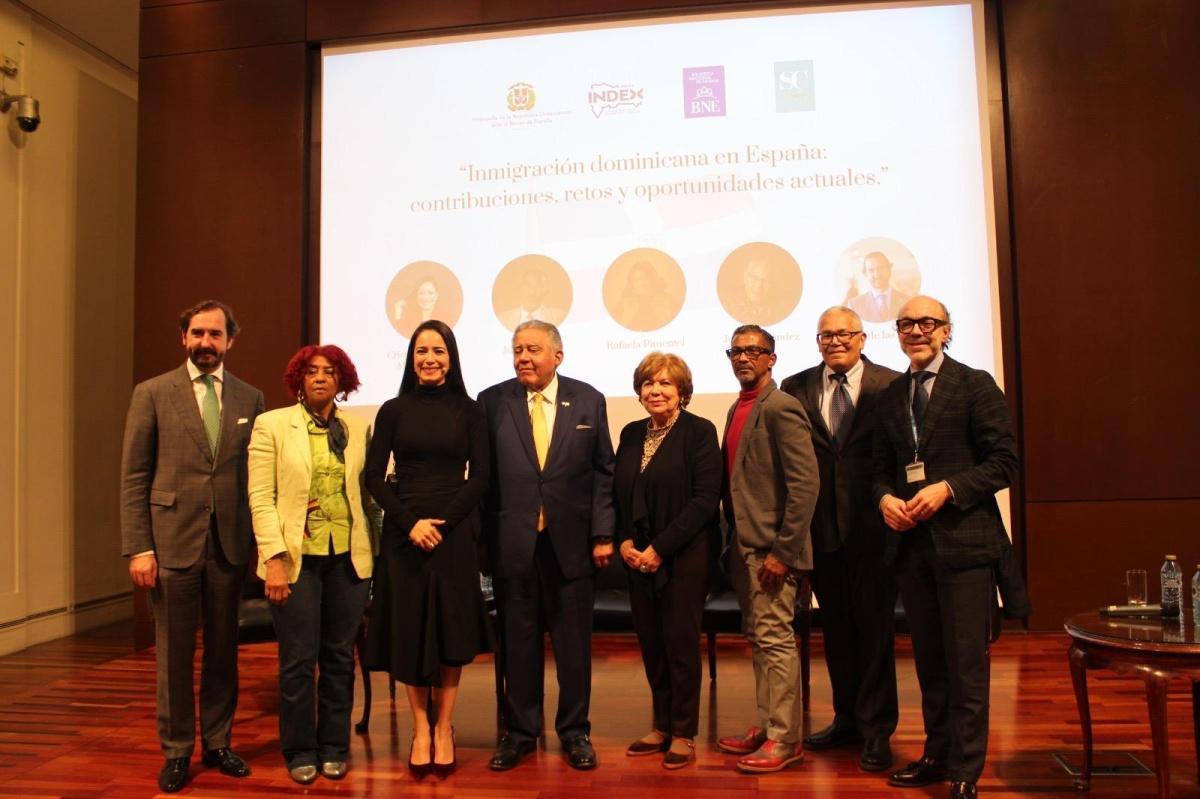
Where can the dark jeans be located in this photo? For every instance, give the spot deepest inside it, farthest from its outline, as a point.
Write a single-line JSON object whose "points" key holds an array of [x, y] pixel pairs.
{"points": [[316, 628]]}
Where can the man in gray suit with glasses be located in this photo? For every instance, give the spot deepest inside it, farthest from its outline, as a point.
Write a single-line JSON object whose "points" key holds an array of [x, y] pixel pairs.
{"points": [[185, 527]]}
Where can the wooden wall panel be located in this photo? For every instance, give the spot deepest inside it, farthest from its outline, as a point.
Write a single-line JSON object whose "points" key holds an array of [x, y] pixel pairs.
{"points": [[334, 19], [220, 25], [1079, 551], [337, 19], [221, 203], [1104, 125]]}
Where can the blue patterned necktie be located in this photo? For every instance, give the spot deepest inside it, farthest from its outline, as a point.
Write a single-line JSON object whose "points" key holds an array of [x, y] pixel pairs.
{"points": [[841, 409]]}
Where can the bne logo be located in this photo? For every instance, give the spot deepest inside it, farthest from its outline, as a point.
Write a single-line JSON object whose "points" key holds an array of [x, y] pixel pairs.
{"points": [[704, 92], [705, 103], [610, 98]]}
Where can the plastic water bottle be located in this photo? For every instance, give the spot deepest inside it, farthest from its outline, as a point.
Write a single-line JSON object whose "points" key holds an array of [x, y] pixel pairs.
{"points": [[1196, 596], [1172, 587]]}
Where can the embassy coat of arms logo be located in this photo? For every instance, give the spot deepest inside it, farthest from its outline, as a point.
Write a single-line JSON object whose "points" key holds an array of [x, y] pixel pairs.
{"points": [[521, 97]]}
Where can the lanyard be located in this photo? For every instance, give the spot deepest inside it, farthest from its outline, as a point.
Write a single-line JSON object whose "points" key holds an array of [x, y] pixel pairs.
{"points": [[912, 422]]}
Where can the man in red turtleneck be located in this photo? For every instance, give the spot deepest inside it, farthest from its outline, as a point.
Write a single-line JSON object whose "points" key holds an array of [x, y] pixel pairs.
{"points": [[771, 487]]}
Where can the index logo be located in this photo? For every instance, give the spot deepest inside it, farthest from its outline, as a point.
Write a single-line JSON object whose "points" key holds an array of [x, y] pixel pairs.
{"points": [[614, 98], [794, 86], [703, 92]]}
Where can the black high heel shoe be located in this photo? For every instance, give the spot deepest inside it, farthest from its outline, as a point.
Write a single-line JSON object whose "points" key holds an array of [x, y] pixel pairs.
{"points": [[420, 770], [443, 770]]}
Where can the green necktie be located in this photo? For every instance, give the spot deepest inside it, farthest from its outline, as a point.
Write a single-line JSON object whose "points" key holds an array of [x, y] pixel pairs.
{"points": [[211, 413]]}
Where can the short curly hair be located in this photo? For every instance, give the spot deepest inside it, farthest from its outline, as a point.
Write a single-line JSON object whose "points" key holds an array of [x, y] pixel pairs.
{"points": [[347, 375], [676, 369]]}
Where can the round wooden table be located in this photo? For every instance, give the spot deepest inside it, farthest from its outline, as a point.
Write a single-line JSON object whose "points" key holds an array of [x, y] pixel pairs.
{"points": [[1154, 649]]}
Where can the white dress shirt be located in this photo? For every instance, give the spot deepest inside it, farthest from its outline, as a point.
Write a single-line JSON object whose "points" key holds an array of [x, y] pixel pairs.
{"points": [[198, 387]]}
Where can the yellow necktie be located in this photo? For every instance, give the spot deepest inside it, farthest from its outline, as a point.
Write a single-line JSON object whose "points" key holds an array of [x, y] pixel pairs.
{"points": [[541, 444]]}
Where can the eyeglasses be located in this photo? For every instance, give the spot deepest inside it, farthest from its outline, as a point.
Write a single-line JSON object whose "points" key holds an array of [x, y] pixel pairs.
{"points": [[926, 324], [842, 336], [754, 352]]}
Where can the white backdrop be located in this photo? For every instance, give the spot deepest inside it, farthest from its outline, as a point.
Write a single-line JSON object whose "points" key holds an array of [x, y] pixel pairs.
{"points": [[839, 132]]}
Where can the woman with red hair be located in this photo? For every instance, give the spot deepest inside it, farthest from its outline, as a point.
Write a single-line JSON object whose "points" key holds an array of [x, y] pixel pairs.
{"points": [[313, 524]]}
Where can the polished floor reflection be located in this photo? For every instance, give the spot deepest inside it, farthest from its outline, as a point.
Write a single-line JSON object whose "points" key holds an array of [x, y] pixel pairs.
{"points": [[77, 720]]}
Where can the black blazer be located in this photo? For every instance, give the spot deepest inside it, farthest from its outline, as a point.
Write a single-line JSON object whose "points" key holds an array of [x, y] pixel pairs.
{"points": [[966, 440], [845, 517], [575, 488], [672, 504]]}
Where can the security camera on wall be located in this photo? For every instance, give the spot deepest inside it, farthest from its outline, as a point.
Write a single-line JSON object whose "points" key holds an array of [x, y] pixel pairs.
{"points": [[29, 115]]}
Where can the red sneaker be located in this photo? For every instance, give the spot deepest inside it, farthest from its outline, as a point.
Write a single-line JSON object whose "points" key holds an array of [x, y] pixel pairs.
{"points": [[743, 744], [771, 756]]}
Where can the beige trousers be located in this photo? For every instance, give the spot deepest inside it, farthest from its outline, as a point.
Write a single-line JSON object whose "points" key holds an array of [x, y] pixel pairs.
{"points": [[767, 625]]}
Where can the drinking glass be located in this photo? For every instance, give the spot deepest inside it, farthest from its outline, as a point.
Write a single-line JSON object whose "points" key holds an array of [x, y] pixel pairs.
{"points": [[1135, 586]]}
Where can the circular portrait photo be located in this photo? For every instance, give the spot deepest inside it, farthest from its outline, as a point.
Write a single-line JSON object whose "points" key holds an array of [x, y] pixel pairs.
{"points": [[759, 283], [644, 289], [421, 291], [877, 276], [531, 287]]}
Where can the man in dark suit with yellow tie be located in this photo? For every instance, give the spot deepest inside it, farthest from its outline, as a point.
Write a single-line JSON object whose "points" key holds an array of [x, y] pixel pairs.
{"points": [[943, 447], [548, 525], [855, 588], [185, 527]]}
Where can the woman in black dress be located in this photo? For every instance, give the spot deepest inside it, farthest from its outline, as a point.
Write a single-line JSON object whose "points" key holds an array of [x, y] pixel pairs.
{"points": [[667, 484], [427, 617]]}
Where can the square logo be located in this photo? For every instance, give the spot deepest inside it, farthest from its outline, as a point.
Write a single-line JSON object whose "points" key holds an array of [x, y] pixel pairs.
{"points": [[703, 92], [794, 86]]}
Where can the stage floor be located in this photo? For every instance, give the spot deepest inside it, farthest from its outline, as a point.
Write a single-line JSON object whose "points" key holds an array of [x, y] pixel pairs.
{"points": [[77, 720]]}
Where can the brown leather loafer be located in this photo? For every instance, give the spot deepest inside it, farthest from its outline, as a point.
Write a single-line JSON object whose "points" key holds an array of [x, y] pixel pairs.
{"points": [[770, 757], [743, 744]]}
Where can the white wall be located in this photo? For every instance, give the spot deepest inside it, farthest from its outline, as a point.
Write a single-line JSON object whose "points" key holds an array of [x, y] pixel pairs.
{"points": [[66, 305]]}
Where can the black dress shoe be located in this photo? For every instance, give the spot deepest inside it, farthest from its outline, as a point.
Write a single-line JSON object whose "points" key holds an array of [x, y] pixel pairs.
{"points": [[580, 753], [925, 771], [227, 761], [963, 790], [876, 755], [174, 775], [510, 752], [839, 733]]}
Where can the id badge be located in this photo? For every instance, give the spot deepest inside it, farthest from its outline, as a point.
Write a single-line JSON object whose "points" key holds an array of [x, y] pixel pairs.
{"points": [[915, 472]]}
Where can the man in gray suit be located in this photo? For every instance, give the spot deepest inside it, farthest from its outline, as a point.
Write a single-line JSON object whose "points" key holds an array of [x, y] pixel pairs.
{"points": [[185, 527], [771, 489], [856, 589]]}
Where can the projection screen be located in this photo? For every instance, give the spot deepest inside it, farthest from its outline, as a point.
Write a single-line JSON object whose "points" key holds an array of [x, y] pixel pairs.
{"points": [[651, 184]]}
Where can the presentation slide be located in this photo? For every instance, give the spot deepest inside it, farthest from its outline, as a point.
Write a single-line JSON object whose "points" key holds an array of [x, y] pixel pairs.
{"points": [[651, 185]]}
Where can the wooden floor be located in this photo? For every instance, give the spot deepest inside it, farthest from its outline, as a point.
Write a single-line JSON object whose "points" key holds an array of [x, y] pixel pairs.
{"points": [[77, 720]]}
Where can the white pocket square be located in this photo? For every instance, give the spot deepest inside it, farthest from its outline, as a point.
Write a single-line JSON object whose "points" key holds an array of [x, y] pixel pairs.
{"points": [[243, 420], [583, 427]]}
